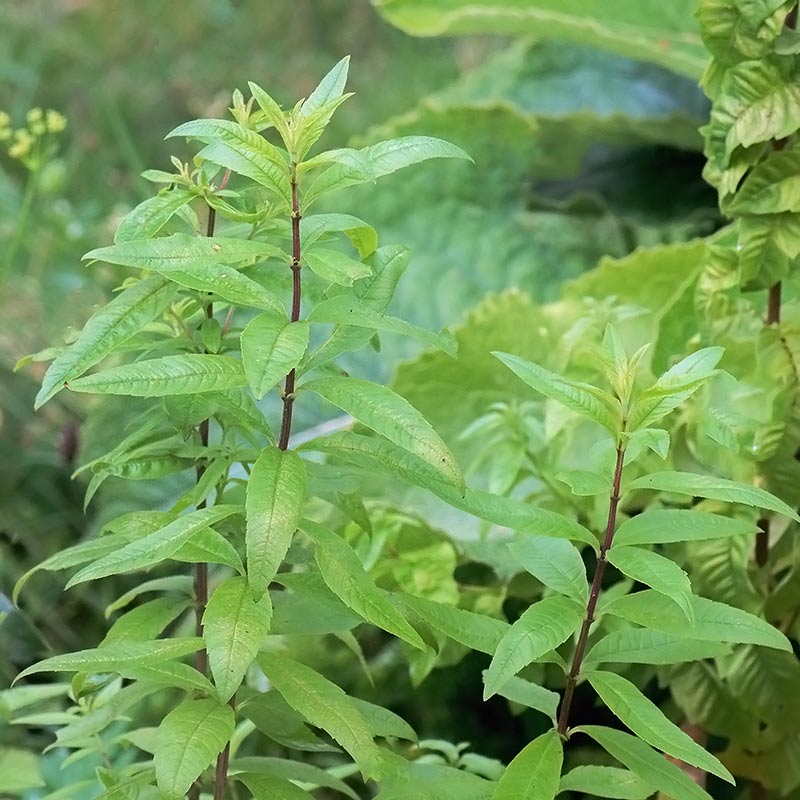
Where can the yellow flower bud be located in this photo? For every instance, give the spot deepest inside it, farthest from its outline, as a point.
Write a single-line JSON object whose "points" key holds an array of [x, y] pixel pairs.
{"points": [[55, 122], [5, 120], [34, 115]]}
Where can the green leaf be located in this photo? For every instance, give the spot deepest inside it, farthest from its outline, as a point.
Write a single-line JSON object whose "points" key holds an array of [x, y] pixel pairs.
{"points": [[209, 546], [715, 622], [234, 627], [107, 329], [183, 584], [20, 771], [112, 658], [158, 377], [334, 266], [330, 88], [666, 35], [271, 347], [391, 416], [269, 787], [244, 151], [147, 621], [476, 631], [609, 782], [656, 571], [645, 762], [557, 563], [289, 770], [345, 576], [189, 738], [535, 772], [768, 246], [169, 673], [529, 694], [383, 722], [581, 397], [645, 646], [713, 488], [771, 187], [660, 526], [150, 216], [350, 311], [274, 502], [155, 547], [308, 129], [363, 236], [324, 705], [542, 627], [649, 723]]}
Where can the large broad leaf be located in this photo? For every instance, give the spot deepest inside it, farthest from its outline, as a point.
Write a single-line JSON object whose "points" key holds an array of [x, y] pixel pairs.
{"points": [[168, 375], [557, 563], [107, 329], [666, 34], [695, 485], [393, 417], [276, 492], [118, 656], [658, 572], [271, 347], [234, 627], [189, 738], [649, 765], [151, 215], [535, 772], [244, 151], [649, 723], [148, 550], [581, 397], [609, 782], [660, 526], [324, 705], [645, 646], [348, 580], [541, 628], [714, 622]]}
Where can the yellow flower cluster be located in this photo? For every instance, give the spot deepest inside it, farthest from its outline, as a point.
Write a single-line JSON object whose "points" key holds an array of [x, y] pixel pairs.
{"points": [[23, 140]]}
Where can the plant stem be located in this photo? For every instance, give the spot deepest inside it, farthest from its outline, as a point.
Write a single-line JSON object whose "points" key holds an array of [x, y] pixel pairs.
{"points": [[288, 388], [22, 223], [594, 593]]}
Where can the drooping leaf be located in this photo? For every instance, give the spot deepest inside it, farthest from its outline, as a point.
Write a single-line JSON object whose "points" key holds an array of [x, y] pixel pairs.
{"points": [[189, 738], [107, 329], [271, 347], [581, 397], [649, 723], [234, 627], [348, 580], [324, 705], [276, 492], [557, 563], [695, 485], [159, 377], [542, 627], [155, 547], [660, 526], [610, 782], [393, 417], [535, 772], [649, 765], [656, 571]]}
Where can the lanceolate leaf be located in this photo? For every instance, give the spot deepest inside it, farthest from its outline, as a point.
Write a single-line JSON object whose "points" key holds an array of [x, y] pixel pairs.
{"points": [[343, 310], [188, 740], [660, 526], [275, 496], [257, 766], [580, 397], [271, 347], [542, 627], [531, 695], [649, 723], [694, 485], [150, 216], [334, 266], [155, 547], [159, 377], [534, 774], [648, 764], [609, 782], [234, 627], [348, 580], [324, 705], [266, 787], [557, 563], [107, 329], [393, 417], [656, 571], [363, 236], [330, 88], [714, 622]]}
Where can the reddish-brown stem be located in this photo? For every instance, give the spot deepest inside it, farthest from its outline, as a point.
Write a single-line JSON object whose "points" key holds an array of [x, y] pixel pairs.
{"points": [[221, 772], [288, 387], [594, 593]]}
